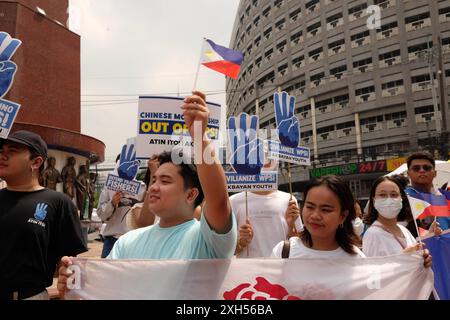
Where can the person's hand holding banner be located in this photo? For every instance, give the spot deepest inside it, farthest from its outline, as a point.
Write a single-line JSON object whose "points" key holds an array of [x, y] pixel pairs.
{"points": [[128, 165], [247, 152], [287, 122], [8, 47]]}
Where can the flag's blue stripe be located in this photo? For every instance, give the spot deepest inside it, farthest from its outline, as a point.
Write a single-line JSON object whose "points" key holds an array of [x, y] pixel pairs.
{"points": [[227, 54]]}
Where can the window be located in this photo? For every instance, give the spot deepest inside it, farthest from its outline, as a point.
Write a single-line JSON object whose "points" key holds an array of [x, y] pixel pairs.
{"points": [[256, 21], [337, 43], [268, 54], [420, 47], [317, 77], [388, 26], [360, 35], [278, 3], [424, 109], [283, 69], [358, 10], [268, 32], [280, 24], [313, 27], [298, 61], [338, 71], [266, 12], [325, 129], [395, 116], [295, 38], [417, 17], [391, 54], [363, 91], [420, 78], [334, 17], [362, 62], [294, 15], [315, 54], [371, 120], [281, 46], [392, 84], [349, 124], [311, 5]]}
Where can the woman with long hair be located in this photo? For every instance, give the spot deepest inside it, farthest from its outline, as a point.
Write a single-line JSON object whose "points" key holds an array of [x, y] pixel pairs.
{"points": [[388, 205], [327, 214]]}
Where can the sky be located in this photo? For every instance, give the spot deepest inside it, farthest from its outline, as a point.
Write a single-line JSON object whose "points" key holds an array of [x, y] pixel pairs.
{"points": [[143, 47]]}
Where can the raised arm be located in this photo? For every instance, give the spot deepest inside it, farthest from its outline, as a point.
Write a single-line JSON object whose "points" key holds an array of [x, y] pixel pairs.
{"points": [[217, 207]]}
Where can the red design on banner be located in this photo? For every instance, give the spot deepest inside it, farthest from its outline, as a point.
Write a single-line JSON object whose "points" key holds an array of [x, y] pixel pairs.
{"points": [[262, 290]]}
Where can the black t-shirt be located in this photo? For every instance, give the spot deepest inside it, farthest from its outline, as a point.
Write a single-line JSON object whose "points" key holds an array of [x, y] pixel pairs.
{"points": [[36, 230]]}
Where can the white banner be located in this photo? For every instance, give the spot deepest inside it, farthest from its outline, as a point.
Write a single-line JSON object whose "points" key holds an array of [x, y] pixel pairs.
{"points": [[161, 125], [393, 277]]}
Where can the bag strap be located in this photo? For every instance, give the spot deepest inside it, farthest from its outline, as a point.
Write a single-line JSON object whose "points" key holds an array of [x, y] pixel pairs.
{"points": [[286, 249]]}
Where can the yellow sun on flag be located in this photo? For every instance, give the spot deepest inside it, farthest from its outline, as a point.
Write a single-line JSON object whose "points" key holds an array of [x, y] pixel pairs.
{"points": [[419, 207], [209, 54]]}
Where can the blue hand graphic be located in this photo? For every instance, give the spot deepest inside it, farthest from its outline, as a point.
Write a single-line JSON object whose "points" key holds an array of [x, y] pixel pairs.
{"points": [[247, 152], [128, 165], [8, 47], [287, 122], [41, 211]]}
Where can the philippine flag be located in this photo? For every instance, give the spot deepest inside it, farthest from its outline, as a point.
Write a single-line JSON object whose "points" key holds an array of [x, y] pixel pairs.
{"points": [[221, 59], [427, 204]]}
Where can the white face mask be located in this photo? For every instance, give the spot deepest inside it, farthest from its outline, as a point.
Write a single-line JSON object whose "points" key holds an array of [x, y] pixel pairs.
{"points": [[358, 226], [389, 207]]}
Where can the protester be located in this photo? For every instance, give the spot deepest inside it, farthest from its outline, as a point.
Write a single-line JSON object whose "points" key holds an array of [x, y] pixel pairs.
{"points": [[175, 192], [358, 224], [327, 212], [421, 172], [113, 208], [38, 226], [271, 218], [387, 205]]}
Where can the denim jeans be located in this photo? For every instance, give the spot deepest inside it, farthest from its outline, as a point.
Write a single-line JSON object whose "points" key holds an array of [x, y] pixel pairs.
{"points": [[108, 244]]}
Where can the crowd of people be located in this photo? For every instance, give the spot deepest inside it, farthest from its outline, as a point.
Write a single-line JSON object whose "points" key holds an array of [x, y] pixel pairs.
{"points": [[185, 212]]}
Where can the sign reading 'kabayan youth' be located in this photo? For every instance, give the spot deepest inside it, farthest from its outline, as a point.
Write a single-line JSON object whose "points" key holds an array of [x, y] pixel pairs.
{"points": [[247, 157], [161, 125]]}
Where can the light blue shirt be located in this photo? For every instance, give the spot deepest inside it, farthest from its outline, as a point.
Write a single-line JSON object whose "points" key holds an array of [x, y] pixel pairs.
{"points": [[190, 240]]}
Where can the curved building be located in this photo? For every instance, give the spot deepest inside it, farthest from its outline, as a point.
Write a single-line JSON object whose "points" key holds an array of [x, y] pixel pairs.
{"points": [[369, 91]]}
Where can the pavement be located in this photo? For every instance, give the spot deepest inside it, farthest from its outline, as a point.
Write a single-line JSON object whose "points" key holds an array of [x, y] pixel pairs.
{"points": [[94, 251]]}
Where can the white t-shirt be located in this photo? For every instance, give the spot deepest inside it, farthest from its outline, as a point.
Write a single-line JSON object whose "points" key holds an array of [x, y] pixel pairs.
{"points": [[299, 250], [379, 242], [267, 217]]}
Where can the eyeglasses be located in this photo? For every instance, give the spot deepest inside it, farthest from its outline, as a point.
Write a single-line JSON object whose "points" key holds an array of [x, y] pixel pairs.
{"points": [[426, 167]]}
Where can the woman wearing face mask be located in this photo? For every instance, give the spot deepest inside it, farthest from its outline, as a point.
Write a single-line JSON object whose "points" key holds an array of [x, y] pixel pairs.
{"points": [[388, 205]]}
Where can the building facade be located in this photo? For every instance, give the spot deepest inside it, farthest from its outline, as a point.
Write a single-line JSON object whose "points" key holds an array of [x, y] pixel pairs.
{"points": [[47, 82], [367, 94]]}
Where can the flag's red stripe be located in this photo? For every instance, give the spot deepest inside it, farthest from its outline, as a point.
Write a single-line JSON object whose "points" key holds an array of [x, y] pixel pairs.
{"points": [[228, 68], [437, 211]]}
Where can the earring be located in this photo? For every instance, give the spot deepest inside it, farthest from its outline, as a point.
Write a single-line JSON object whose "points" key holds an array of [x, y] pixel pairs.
{"points": [[341, 226]]}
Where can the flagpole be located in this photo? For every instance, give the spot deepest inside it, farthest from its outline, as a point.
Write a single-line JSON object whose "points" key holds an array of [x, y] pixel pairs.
{"points": [[246, 217], [418, 231], [198, 66]]}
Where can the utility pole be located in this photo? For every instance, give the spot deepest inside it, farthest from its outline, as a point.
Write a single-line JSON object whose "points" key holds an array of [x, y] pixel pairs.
{"points": [[442, 95], [433, 86]]}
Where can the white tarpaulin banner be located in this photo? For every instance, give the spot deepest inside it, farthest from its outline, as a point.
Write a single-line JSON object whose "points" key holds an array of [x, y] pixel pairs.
{"points": [[394, 277]]}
